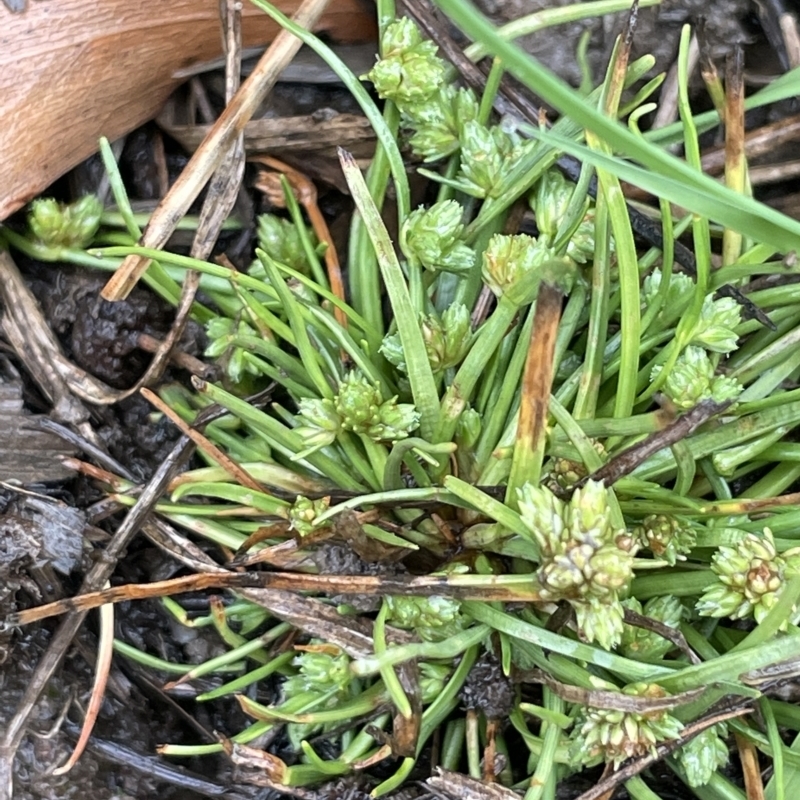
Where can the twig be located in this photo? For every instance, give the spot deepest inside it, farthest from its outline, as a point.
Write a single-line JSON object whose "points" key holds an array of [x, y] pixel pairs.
{"points": [[157, 768], [148, 343], [306, 194], [627, 461], [537, 381], [614, 701], [456, 586], [207, 157], [668, 99], [748, 756], [670, 634], [105, 649], [201, 441]]}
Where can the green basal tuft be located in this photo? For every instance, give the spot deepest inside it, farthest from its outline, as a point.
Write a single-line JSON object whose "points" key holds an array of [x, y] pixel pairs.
{"points": [[642, 643], [221, 331], [304, 512], [431, 618], [615, 736], [321, 669], [750, 577], [692, 379], [280, 240], [666, 536], [55, 224], [432, 236], [703, 755], [582, 559]]}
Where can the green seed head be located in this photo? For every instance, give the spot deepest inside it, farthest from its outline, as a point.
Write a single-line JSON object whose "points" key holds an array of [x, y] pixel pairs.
{"points": [[57, 225], [409, 71], [438, 123], [666, 536], [703, 755], [432, 237], [550, 202], [750, 577], [485, 155], [432, 618], [692, 379], [319, 671], [646, 643], [357, 403], [508, 258], [615, 736], [304, 512]]}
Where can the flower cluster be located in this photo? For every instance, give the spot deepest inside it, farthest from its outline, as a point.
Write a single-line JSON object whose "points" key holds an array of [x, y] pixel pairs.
{"points": [[321, 668], [413, 76], [324, 676], [409, 71], [715, 328], [703, 755], [438, 123], [57, 225], [750, 576], [485, 157], [550, 202], [565, 473], [447, 339], [304, 512], [582, 560], [692, 379], [667, 537], [432, 680], [358, 407], [442, 119], [432, 237], [507, 259], [616, 735]]}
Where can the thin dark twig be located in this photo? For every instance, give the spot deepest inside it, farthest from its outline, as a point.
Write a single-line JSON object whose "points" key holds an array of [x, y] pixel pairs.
{"points": [[627, 461], [84, 445], [154, 767], [670, 634]]}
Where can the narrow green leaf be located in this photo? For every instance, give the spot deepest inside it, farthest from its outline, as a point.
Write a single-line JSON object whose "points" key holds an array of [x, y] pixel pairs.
{"points": [[420, 375]]}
